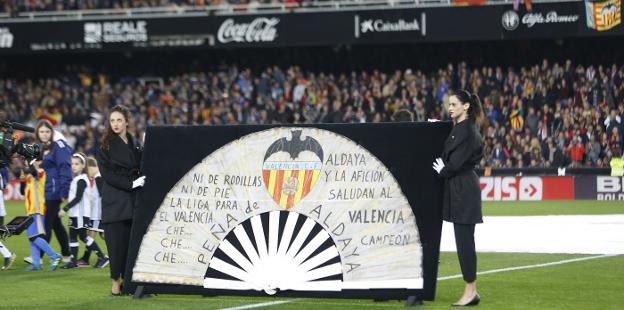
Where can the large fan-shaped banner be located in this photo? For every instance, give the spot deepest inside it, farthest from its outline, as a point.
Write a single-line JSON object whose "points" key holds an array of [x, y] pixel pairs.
{"points": [[284, 209]]}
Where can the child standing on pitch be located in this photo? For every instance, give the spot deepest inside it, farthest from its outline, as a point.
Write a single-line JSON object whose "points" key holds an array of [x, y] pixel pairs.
{"points": [[33, 188], [95, 188], [79, 209]]}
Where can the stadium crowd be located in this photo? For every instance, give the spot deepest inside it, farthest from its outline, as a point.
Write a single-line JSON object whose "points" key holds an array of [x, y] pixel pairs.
{"points": [[15, 6], [545, 115], [25, 6]]}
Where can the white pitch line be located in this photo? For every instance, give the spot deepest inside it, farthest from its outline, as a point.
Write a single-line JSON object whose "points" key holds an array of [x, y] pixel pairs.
{"points": [[531, 266], [567, 261], [264, 304]]}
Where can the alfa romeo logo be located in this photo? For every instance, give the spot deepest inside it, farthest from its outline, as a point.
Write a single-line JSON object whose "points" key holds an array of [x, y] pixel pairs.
{"points": [[510, 20]]}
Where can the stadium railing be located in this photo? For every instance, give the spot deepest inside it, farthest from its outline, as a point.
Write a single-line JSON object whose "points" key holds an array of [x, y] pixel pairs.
{"points": [[229, 9]]}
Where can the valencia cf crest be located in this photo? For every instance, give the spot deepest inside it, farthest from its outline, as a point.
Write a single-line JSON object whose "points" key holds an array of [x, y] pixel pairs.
{"points": [[291, 167]]}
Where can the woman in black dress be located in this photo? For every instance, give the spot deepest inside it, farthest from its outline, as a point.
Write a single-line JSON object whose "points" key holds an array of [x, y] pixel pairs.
{"points": [[462, 194], [119, 158]]}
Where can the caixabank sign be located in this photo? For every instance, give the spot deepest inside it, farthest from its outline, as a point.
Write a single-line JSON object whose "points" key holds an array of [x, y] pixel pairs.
{"points": [[368, 26]]}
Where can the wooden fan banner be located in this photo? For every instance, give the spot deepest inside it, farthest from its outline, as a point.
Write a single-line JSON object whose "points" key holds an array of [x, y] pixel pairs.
{"points": [[309, 210], [284, 209]]}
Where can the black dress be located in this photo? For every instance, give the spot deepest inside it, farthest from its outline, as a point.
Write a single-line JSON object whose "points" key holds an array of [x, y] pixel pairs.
{"points": [[119, 165], [462, 193]]}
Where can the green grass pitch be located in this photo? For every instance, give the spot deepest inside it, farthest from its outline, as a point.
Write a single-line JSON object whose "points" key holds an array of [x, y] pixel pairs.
{"points": [[589, 284]]}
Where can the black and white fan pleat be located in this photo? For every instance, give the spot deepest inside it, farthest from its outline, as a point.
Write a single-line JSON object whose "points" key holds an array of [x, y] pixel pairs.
{"points": [[277, 250]]}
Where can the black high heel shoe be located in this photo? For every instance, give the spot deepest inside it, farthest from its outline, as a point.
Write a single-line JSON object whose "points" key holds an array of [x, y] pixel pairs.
{"points": [[475, 301]]}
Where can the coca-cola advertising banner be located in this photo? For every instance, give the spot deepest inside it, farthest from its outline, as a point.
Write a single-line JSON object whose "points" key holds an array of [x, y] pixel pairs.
{"points": [[495, 22], [260, 29]]}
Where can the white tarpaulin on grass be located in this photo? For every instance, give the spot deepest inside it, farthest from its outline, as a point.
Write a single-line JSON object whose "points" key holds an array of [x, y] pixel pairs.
{"points": [[582, 234]]}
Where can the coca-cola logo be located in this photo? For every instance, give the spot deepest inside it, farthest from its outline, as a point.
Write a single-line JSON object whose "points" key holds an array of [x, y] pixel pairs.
{"points": [[261, 29]]}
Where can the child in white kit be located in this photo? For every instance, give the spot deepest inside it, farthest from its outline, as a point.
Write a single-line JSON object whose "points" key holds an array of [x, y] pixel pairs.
{"points": [[95, 186], [79, 210]]}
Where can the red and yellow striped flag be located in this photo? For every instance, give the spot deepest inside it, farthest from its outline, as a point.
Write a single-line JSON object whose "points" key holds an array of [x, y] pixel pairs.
{"points": [[288, 187]]}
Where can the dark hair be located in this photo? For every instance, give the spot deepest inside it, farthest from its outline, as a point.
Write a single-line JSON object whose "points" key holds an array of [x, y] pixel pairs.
{"points": [[402, 115], [475, 110], [44, 123], [82, 158], [109, 132]]}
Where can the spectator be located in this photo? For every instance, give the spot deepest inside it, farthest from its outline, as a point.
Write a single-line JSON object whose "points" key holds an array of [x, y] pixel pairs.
{"points": [[592, 152], [615, 141], [577, 150], [498, 154], [549, 104], [532, 121]]}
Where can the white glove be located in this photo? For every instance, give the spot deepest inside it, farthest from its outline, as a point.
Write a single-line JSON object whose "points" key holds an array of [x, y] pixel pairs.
{"points": [[140, 181], [438, 165]]}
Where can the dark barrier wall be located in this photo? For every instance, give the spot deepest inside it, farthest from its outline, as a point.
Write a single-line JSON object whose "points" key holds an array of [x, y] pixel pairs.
{"points": [[555, 20], [538, 188], [172, 152], [599, 187]]}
